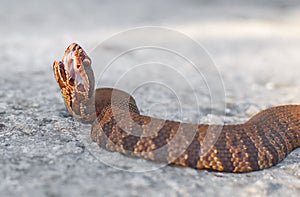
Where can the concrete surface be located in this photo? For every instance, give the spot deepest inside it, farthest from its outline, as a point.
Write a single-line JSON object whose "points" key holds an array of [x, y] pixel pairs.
{"points": [[255, 46]]}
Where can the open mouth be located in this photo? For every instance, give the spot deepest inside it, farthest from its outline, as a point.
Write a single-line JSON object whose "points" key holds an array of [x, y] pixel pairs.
{"points": [[73, 67]]}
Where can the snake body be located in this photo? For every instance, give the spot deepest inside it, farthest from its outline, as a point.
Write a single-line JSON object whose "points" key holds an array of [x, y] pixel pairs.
{"points": [[117, 125]]}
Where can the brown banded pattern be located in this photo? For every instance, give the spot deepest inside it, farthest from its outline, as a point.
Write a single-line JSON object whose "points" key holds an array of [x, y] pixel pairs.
{"points": [[117, 125]]}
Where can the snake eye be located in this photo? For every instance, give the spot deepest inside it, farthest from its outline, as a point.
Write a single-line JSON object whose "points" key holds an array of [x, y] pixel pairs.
{"points": [[86, 61]]}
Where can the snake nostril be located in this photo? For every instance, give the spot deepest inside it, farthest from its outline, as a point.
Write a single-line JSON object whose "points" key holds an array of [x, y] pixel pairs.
{"points": [[71, 82]]}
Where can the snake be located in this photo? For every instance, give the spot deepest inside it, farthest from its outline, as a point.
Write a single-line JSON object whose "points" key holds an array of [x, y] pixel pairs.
{"points": [[117, 125]]}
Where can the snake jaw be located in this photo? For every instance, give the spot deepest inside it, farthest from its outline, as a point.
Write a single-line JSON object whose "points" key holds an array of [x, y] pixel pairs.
{"points": [[73, 62], [76, 81]]}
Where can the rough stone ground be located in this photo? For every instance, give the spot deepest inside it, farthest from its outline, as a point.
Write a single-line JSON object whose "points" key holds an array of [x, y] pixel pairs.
{"points": [[44, 152]]}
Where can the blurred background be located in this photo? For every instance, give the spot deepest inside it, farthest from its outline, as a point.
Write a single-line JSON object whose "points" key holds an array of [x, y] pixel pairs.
{"points": [[257, 36]]}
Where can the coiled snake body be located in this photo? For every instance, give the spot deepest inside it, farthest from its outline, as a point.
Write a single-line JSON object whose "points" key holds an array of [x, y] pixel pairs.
{"points": [[261, 142]]}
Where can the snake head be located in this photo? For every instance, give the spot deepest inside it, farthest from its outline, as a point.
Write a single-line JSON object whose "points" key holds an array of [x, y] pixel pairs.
{"points": [[75, 78]]}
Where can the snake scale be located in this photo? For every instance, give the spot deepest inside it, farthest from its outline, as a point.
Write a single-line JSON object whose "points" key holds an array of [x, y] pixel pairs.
{"points": [[117, 125]]}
